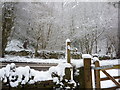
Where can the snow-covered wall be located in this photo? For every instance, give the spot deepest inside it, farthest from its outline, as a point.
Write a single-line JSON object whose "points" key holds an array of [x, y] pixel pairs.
{"points": [[26, 75]]}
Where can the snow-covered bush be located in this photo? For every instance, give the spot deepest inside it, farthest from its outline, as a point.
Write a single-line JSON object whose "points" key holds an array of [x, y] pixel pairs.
{"points": [[14, 45]]}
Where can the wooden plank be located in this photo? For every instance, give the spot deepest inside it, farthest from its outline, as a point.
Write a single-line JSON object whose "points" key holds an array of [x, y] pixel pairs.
{"points": [[107, 67], [111, 78], [97, 75], [88, 73], [103, 79]]}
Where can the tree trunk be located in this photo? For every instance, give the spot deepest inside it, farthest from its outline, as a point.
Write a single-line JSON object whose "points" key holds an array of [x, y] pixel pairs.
{"points": [[0, 42], [7, 23], [36, 50], [0, 31]]}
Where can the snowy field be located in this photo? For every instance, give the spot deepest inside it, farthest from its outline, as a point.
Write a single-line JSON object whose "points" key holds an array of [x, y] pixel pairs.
{"points": [[76, 62]]}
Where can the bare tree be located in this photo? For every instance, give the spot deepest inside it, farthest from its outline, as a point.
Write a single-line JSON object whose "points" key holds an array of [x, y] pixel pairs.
{"points": [[88, 41], [59, 21]]}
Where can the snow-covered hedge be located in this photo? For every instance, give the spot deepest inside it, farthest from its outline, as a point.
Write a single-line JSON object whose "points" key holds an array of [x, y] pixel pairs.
{"points": [[15, 47], [25, 75]]}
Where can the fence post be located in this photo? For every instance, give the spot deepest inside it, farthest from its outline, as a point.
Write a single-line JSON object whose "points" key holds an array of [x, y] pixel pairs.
{"points": [[68, 42], [97, 76], [68, 57], [87, 71]]}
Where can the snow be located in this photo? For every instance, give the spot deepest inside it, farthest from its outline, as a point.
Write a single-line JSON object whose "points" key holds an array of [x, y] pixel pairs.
{"points": [[76, 62], [35, 60], [13, 73], [86, 56], [107, 83], [46, 75], [68, 47], [95, 59], [113, 72], [68, 40], [15, 45], [60, 67], [109, 62]]}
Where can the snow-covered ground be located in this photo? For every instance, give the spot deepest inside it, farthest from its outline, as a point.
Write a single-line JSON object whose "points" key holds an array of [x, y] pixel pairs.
{"points": [[109, 83], [75, 62]]}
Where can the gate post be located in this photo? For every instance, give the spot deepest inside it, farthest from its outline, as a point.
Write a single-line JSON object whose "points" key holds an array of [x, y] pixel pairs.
{"points": [[97, 76], [87, 71]]}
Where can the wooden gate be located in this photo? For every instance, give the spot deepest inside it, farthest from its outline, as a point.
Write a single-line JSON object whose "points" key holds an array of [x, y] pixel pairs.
{"points": [[99, 68], [86, 81]]}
